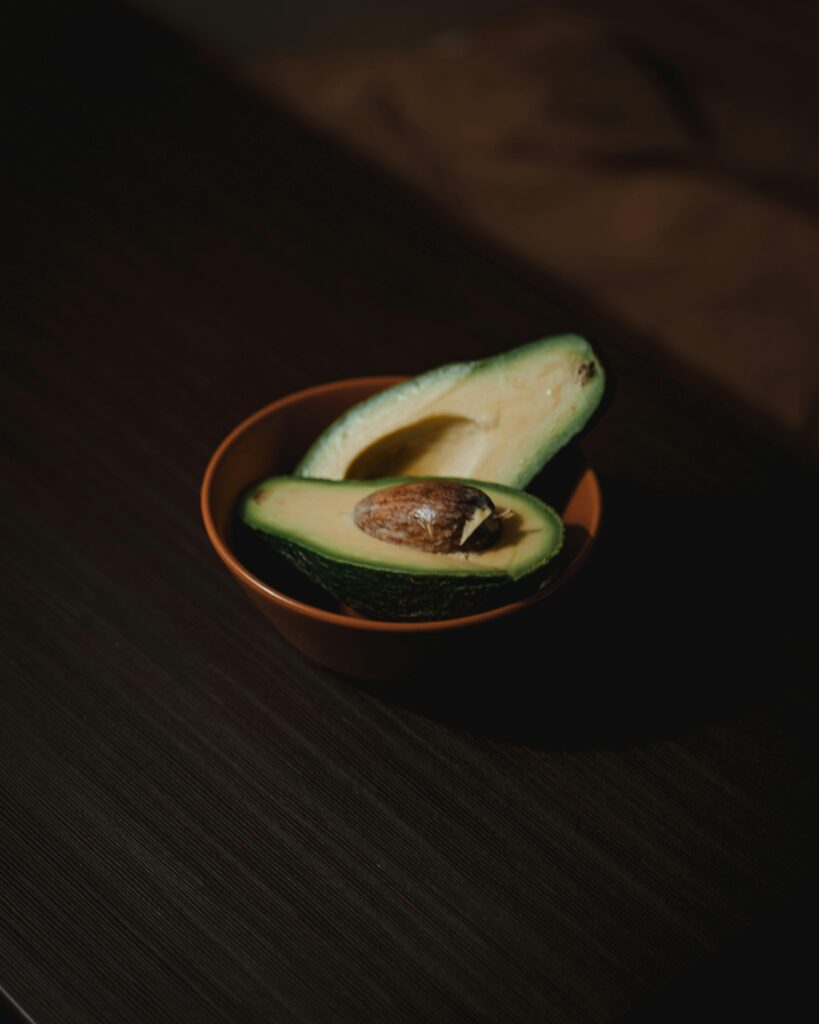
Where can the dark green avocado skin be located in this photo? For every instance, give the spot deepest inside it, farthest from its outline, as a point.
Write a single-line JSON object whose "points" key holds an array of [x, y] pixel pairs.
{"points": [[390, 596]]}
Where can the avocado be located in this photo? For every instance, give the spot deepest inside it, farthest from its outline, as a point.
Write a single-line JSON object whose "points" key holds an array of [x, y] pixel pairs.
{"points": [[313, 524], [498, 419]]}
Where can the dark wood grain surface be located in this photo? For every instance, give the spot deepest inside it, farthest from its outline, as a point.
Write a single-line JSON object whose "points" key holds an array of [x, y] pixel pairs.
{"points": [[604, 812]]}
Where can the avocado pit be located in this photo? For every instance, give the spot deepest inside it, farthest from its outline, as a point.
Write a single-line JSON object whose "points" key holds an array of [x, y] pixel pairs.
{"points": [[430, 515]]}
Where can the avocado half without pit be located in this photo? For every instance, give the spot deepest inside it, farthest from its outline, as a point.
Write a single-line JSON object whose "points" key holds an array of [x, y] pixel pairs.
{"points": [[408, 549], [500, 418]]}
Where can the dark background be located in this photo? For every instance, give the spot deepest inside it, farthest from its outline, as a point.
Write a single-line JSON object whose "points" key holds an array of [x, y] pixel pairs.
{"points": [[605, 814]]}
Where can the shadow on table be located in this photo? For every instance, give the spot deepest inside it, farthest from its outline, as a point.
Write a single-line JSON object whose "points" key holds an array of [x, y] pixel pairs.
{"points": [[688, 612], [767, 974]]}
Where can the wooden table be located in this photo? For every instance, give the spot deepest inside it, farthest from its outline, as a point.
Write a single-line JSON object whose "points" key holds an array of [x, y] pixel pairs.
{"points": [[601, 817]]}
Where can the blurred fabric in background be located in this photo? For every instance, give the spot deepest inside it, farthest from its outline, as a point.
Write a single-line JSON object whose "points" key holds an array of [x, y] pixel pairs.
{"points": [[661, 159]]}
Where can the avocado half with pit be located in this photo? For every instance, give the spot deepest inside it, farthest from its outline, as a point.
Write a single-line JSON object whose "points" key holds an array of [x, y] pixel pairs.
{"points": [[498, 419], [312, 523]]}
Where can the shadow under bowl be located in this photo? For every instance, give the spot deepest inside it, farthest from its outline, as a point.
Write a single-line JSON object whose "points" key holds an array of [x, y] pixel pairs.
{"points": [[271, 442]]}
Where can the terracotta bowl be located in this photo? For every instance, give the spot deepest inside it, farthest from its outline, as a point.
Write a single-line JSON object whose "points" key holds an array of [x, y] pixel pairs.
{"points": [[272, 441]]}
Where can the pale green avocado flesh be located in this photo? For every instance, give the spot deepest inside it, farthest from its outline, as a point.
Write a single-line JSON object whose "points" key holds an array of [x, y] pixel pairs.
{"points": [[498, 419], [310, 522]]}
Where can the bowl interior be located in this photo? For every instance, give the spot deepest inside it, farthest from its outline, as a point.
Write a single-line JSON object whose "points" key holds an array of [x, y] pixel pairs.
{"points": [[273, 440]]}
